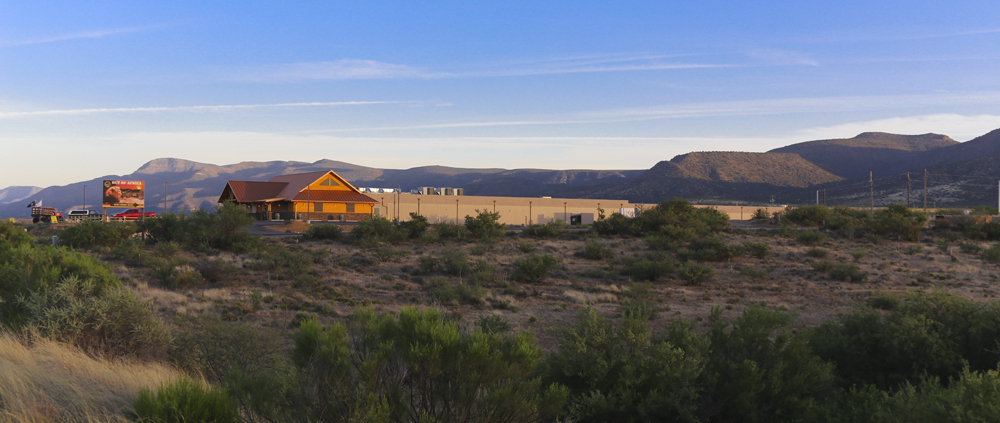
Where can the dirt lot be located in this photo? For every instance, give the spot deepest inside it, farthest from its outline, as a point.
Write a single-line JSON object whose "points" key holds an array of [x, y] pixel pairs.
{"points": [[344, 276]]}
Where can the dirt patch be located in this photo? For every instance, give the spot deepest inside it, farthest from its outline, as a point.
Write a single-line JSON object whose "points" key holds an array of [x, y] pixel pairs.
{"points": [[294, 226]]}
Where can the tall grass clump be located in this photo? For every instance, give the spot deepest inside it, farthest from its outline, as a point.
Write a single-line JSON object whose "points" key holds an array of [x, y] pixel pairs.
{"points": [[185, 400]]}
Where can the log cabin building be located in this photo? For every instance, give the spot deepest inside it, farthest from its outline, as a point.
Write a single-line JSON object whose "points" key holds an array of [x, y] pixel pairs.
{"points": [[301, 196]]}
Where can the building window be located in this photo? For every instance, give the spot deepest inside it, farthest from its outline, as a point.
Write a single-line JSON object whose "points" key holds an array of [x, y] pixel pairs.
{"points": [[318, 207], [350, 208], [329, 182]]}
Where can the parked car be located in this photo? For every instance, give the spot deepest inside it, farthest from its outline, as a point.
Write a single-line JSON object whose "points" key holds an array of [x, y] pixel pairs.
{"points": [[81, 215], [132, 214]]}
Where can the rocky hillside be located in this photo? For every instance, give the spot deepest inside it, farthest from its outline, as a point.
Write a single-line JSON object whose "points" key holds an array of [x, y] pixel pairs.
{"points": [[878, 152]]}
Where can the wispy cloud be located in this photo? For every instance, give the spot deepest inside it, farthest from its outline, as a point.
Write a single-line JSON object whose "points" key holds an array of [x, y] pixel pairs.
{"points": [[717, 109], [339, 69], [781, 57], [370, 69], [214, 108], [99, 33]]}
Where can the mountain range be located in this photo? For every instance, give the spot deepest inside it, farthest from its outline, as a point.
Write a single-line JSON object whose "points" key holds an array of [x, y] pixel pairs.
{"points": [[850, 171]]}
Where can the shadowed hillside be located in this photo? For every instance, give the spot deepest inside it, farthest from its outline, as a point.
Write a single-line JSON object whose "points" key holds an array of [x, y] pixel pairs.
{"points": [[878, 152]]}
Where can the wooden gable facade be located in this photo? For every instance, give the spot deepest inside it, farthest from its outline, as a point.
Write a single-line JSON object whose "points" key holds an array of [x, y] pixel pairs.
{"points": [[302, 196]]}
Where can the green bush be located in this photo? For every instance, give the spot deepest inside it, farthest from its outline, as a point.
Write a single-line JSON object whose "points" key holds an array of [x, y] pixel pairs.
{"points": [[695, 273], [185, 401], [386, 253], [649, 269], [823, 266], [217, 270], [109, 322], [448, 230], [636, 302], [89, 233], [677, 213], [991, 255], [321, 231], [221, 228], [817, 252], [813, 215], [485, 226], [455, 262], [847, 272], [416, 226], [810, 237], [913, 249], [525, 246], [859, 253], [753, 274], [935, 333], [549, 230], [281, 261], [493, 324], [377, 229], [760, 215], [447, 293], [884, 302], [594, 250], [420, 366], [757, 249], [709, 249], [970, 248], [535, 268]]}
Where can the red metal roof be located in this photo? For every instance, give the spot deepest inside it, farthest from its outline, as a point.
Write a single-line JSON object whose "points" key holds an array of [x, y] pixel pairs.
{"points": [[333, 196], [253, 191]]}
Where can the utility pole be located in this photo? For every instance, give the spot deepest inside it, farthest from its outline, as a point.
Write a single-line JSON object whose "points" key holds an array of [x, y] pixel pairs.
{"points": [[871, 188], [817, 197], [907, 189], [925, 191]]}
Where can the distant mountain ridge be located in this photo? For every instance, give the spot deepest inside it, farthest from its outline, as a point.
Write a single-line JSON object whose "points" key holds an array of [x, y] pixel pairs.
{"points": [[960, 174]]}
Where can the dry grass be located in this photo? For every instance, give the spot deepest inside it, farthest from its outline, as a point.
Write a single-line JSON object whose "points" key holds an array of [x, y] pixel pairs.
{"points": [[46, 381]]}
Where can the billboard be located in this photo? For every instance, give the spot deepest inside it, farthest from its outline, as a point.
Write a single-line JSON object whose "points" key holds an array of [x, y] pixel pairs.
{"points": [[124, 193]]}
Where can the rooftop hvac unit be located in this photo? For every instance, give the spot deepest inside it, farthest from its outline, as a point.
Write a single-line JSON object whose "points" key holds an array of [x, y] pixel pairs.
{"points": [[447, 191], [459, 191]]}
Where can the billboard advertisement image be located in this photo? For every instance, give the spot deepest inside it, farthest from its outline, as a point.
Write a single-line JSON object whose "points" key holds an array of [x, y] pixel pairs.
{"points": [[124, 193]]}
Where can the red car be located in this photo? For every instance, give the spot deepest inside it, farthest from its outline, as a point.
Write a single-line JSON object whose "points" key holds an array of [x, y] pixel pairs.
{"points": [[132, 214]]}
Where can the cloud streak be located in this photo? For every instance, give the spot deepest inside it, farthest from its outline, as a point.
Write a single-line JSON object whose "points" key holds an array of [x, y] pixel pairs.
{"points": [[100, 33], [214, 108]]}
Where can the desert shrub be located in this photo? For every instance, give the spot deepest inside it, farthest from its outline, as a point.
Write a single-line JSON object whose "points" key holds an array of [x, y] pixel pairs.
{"points": [[448, 230], [760, 215], [817, 252], [448, 293], [416, 226], [663, 242], [594, 250], [280, 260], [549, 230], [419, 365], [813, 215], [221, 228], [859, 253], [708, 249], [525, 246], [970, 248], [847, 272], [935, 333], [321, 231], [493, 324], [913, 249], [217, 270], [429, 264], [482, 273], [27, 269], [751, 370], [377, 229], [695, 273], [810, 237], [757, 249], [884, 302], [897, 222], [455, 262], [622, 373], [185, 401], [129, 250], [636, 302], [481, 248], [823, 266], [677, 213], [168, 249], [753, 274], [649, 269], [991, 255], [109, 322], [485, 226], [89, 233], [185, 279], [535, 268], [386, 253]]}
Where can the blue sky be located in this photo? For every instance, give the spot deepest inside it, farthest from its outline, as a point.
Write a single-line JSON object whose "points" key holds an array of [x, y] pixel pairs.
{"points": [[96, 88]]}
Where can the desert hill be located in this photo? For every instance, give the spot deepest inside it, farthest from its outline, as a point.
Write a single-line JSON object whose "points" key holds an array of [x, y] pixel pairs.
{"points": [[878, 152], [16, 193]]}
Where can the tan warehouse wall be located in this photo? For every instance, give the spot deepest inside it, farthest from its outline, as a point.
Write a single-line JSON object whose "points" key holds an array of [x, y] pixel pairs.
{"points": [[517, 210]]}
